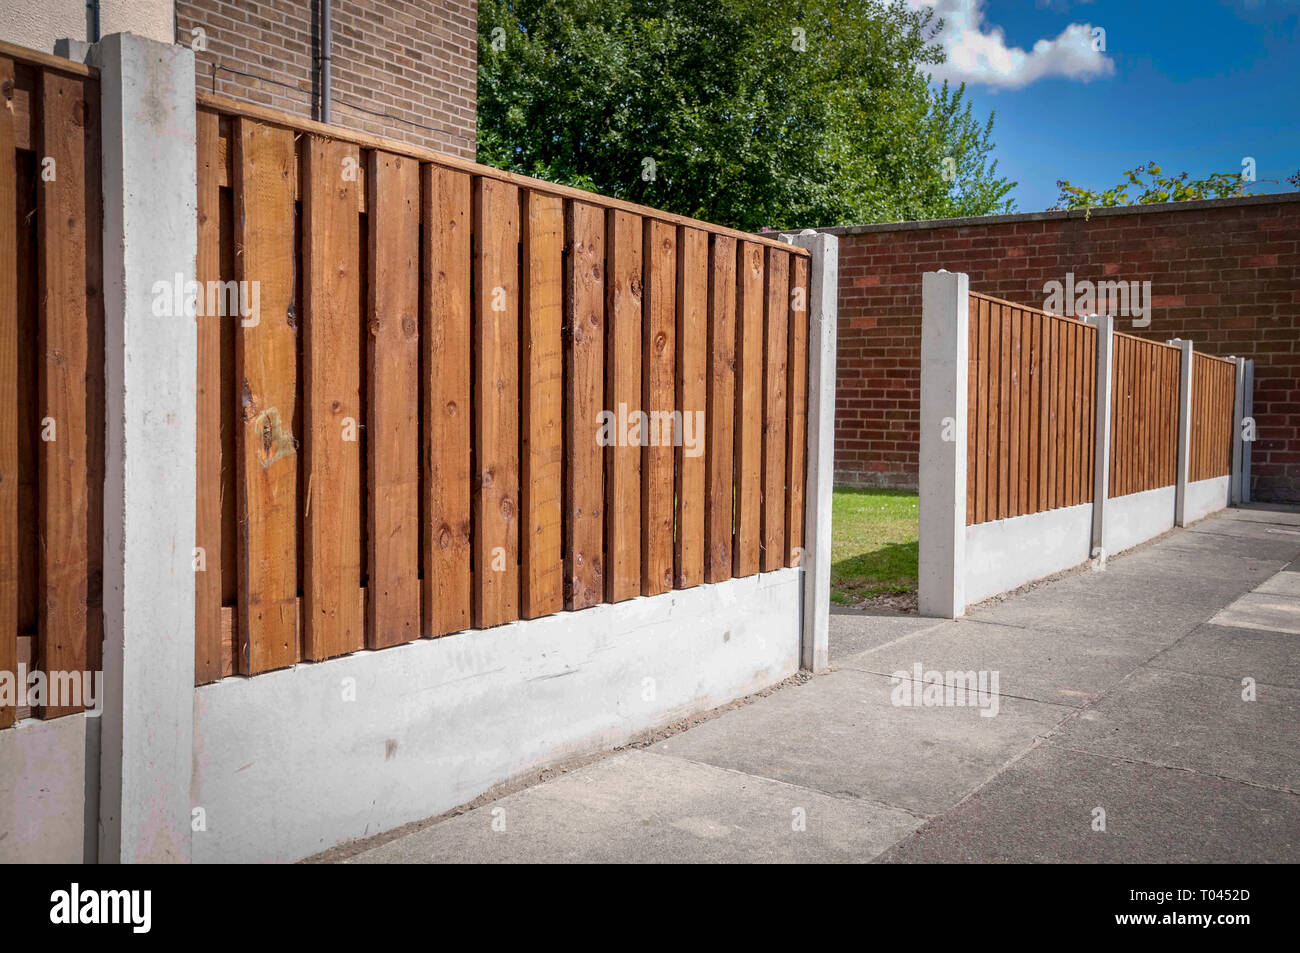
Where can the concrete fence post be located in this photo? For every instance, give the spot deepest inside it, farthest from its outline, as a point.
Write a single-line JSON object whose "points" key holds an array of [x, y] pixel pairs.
{"points": [[1105, 325], [1248, 413], [945, 343], [1185, 369], [823, 325], [1238, 414], [150, 244]]}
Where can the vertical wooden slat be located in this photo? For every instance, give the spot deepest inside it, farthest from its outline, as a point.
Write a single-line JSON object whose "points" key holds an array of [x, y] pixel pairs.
{"points": [[332, 609], [9, 277], [207, 522], [1058, 420], [65, 364], [719, 441], [775, 347], [981, 442], [393, 388], [623, 398], [1035, 411], [692, 384], [1012, 317], [972, 406], [1072, 414], [749, 408], [1006, 368], [994, 392], [584, 376], [446, 330], [1025, 428], [796, 459], [266, 370], [658, 387], [496, 402], [542, 418]]}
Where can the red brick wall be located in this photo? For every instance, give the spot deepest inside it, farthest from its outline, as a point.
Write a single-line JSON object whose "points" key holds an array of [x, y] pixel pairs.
{"points": [[1225, 274], [406, 69]]}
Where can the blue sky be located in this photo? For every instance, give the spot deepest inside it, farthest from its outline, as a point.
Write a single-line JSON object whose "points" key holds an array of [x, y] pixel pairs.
{"points": [[1196, 85]]}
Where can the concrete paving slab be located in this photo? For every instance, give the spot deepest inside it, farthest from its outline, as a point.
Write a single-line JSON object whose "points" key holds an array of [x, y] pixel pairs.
{"points": [[1041, 664], [1271, 546], [1153, 815], [1149, 612], [1271, 658], [841, 734], [653, 809], [1282, 584], [1175, 564], [1197, 722], [1261, 610], [1263, 513], [854, 631], [1247, 529]]}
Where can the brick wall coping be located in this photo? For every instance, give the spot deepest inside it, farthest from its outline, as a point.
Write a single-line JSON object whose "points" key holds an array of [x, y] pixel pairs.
{"points": [[1278, 197]]}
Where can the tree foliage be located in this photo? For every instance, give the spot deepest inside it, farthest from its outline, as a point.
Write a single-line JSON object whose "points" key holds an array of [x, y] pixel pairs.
{"points": [[1151, 185], [752, 113]]}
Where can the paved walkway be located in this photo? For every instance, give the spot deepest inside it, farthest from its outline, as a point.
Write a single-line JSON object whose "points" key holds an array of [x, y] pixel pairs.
{"points": [[1119, 690]]}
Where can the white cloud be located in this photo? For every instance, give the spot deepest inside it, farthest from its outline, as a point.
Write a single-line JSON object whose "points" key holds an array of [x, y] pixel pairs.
{"points": [[978, 52]]}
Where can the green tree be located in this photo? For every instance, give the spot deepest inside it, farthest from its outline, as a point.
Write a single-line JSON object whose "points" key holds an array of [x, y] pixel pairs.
{"points": [[751, 113]]}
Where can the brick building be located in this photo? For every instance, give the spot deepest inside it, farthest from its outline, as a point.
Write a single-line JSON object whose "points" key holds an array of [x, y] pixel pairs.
{"points": [[406, 69], [1224, 273]]}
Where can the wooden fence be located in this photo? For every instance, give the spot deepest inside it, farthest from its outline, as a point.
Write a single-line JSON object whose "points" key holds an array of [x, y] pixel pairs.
{"points": [[406, 439], [1213, 389], [1144, 415], [1030, 411], [1031, 428], [51, 371]]}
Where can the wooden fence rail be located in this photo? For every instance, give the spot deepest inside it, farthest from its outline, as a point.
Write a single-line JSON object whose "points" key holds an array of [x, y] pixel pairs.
{"points": [[1031, 432], [431, 421], [1144, 415], [51, 373]]}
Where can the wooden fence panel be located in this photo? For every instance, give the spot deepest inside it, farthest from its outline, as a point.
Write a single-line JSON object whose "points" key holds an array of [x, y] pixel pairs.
{"points": [[333, 607], [463, 318], [658, 332], [1144, 405], [542, 406], [584, 386], [623, 398], [719, 443], [1213, 392], [446, 330], [692, 339], [496, 402], [1031, 387], [749, 409]]}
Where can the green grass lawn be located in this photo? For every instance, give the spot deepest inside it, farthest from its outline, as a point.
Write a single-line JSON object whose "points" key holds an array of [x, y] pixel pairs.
{"points": [[873, 544]]}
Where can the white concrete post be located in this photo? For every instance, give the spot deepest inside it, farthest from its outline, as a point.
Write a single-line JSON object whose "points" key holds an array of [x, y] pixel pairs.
{"points": [[1248, 413], [150, 236], [1105, 325], [945, 343], [1185, 368], [1238, 413], [823, 324]]}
